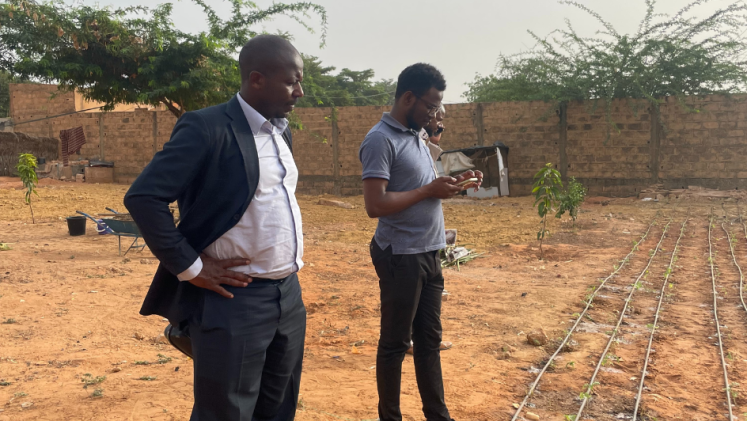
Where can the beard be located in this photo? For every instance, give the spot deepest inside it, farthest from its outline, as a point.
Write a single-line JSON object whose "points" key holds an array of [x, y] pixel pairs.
{"points": [[412, 123]]}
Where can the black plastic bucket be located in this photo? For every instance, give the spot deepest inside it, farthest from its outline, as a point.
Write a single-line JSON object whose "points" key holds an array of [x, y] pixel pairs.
{"points": [[76, 225]]}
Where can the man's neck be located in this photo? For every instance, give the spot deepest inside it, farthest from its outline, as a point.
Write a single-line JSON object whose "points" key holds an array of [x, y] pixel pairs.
{"points": [[399, 115], [249, 99]]}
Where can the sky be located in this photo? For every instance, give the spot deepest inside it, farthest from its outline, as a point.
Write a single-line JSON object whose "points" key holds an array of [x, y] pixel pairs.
{"points": [[462, 38]]}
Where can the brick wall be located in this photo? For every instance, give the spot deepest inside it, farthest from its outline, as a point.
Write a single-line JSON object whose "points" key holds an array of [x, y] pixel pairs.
{"points": [[129, 138], [682, 148], [30, 104], [611, 161], [708, 148]]}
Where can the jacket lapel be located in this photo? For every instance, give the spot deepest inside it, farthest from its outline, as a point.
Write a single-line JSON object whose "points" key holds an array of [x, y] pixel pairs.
{"points": [[245, 139]]}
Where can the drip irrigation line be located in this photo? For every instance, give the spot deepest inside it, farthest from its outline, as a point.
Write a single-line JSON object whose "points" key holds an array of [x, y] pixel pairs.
{"points": [[715, 315], [656, 318], [590, 386], [578, 320], [744, 227], [734, 257]]}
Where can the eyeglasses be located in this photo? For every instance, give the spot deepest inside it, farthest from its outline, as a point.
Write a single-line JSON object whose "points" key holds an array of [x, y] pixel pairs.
{"points": [[432, 108]]}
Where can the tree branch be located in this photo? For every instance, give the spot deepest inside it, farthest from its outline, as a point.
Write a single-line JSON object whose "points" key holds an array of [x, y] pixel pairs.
{"points": [[174, 110]]}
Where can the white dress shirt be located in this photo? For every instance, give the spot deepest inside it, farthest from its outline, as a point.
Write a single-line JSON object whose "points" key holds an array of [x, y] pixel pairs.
{"points": [[269, 233]]}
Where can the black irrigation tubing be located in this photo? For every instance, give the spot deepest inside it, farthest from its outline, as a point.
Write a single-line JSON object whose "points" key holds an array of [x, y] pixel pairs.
{"points": [[670, 269], [744, 227], [715, 315], [590, 387], [578, 320], [739, 268]]}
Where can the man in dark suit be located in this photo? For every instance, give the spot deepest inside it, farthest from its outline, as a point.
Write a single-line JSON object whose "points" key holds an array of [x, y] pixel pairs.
{"points": [[228, 272]]}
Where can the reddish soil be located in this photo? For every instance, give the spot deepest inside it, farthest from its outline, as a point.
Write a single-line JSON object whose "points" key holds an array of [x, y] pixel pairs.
{"points": [[69, 313]]}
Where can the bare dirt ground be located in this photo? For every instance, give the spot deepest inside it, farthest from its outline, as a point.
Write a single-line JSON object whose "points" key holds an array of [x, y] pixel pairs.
{"points": [[73, 346]]}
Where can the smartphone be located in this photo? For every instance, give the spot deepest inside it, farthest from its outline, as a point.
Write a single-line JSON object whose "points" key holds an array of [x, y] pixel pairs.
{"points": [[467, 181]]}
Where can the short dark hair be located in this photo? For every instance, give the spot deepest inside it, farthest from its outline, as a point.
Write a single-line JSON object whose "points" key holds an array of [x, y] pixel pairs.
{"points": [[418, 79], [264, 54]]}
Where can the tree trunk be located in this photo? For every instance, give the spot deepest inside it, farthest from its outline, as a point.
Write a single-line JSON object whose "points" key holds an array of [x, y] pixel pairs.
{"points": [[33, 221], [542, 238], [176, 111]]}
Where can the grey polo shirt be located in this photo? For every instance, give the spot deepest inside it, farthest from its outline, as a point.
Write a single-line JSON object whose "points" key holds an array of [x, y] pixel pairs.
{"points": [[395, 153]]}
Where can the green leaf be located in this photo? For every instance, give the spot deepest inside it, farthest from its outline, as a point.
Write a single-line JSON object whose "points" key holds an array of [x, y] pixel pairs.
{"points": [[137, 52]]}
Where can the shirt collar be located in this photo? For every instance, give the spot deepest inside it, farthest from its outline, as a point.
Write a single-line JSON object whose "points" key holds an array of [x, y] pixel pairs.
{"points": [[388, 119], [257, 121]]}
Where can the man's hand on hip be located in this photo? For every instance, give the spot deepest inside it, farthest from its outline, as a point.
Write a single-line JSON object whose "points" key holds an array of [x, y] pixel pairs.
{"points": [[215, 273]]}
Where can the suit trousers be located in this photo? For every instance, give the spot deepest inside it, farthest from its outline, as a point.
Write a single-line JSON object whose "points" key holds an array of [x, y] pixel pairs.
{"points": [[411, 293], [248, 352]]}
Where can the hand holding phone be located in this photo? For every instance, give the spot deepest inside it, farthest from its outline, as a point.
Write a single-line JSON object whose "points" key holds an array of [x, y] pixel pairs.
{"points": [[466, 181]]}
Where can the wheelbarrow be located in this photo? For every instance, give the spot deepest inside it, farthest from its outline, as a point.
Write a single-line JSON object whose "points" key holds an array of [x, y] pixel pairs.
{"points": [[121, 225], [101, 227]]}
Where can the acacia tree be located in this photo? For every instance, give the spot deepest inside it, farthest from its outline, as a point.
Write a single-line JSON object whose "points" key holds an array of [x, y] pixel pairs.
{"points": [[134, 54], [675, 55]]}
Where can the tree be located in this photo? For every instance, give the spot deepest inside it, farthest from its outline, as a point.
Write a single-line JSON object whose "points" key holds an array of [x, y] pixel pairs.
{"points": [[346, 88], [546, 190], [134, 54], [675, 55], [26, 169], [571, 199], [5, 80]]}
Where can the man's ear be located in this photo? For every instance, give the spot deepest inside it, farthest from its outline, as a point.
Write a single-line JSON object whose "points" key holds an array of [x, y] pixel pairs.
{"points": [[408, 99], [257, 80]]}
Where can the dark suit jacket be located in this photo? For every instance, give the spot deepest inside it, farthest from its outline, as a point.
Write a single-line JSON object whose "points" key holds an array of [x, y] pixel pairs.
{"points": [[210, 167]]}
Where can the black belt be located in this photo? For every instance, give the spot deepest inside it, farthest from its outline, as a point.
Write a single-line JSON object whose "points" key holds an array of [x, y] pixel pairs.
{"points": [[273, 281]]}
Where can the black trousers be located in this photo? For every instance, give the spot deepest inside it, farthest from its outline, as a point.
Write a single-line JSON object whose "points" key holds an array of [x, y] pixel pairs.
{"points": [[411, 290], [248, 352]]}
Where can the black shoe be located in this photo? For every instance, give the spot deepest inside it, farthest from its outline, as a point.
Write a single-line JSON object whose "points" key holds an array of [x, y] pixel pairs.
{"points": [[179, 338]]}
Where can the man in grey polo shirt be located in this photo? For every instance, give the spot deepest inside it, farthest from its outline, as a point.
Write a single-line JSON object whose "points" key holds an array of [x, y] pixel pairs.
{"points": [[400, 188]]}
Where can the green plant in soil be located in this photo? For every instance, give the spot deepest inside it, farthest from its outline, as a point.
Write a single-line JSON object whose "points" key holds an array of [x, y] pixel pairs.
{"points": [[546, 190], [26, 169], [89, 380], [734, 390], [588, 390], [162, 359], [571, 199]]}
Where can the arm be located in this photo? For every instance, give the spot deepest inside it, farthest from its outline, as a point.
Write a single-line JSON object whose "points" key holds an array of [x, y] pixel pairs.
{"points": [[377, 155], [163, 181], [380, 202]]}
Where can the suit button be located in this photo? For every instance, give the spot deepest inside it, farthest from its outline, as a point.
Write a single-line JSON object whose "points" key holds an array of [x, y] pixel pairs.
{"points": [[236, 217]]}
